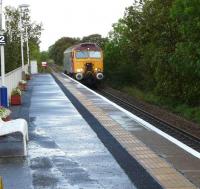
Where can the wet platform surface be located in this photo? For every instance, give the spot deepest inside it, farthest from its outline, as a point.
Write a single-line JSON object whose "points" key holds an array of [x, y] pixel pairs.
{"points": [[63, 151], [66, 151]]}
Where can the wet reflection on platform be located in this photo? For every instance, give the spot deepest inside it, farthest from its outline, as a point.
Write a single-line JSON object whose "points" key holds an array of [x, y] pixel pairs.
{"points": [[64, 150]]}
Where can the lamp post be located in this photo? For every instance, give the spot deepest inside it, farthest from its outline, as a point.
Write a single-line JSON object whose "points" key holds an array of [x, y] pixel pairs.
{"points": [[27, 46], [22, 9], [26, 32]]}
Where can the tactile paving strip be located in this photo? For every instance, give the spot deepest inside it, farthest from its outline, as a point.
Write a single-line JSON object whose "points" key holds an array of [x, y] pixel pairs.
{"points": [[162, 171]]}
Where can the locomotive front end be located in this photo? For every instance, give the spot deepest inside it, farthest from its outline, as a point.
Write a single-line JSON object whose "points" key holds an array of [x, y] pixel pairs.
{"points": [[84, 62], [89, 63]]}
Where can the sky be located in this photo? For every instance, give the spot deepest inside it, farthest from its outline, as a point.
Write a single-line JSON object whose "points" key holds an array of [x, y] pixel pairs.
{"points": [[73, 18]]}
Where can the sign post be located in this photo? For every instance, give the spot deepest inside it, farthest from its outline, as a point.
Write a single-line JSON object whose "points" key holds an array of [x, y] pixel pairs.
{"points": [[2, 43], [3, 89]]}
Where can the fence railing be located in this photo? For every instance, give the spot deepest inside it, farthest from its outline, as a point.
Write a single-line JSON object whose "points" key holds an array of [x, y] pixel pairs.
{"points": [[12, 79]]}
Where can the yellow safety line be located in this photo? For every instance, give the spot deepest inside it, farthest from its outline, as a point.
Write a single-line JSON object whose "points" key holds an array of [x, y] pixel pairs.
{"points": [[1, 183]]}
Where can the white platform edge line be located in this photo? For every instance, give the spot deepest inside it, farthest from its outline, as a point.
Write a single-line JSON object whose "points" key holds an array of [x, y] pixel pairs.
{"points": [[143, 122]]}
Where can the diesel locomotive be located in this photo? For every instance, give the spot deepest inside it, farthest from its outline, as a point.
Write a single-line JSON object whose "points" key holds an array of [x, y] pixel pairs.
{"points": [[84, 62]]}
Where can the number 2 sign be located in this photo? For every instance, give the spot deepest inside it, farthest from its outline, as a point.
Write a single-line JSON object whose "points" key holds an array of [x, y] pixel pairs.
{"points": [[2, 40]]}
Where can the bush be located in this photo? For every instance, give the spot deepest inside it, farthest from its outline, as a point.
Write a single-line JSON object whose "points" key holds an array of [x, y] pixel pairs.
{"points": [[16, 91], [4, 112]]}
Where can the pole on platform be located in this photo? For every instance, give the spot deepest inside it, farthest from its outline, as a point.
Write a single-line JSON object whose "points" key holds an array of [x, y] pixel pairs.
{"points": [[2, 66], [2, 50], [22, 10], [3, 89], [22, 43], [27, 46]]}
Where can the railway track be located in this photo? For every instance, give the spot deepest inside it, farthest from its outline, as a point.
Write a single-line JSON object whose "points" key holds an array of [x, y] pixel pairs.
{"points": [[180, 134]]}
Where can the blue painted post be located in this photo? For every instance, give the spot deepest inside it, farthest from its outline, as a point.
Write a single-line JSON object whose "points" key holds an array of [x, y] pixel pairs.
{"points": [[4, 96]]}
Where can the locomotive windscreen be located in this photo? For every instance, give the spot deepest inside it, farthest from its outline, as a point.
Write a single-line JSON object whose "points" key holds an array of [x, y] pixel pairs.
{"points": [[94, 54], [88, 54], [81, 54]]}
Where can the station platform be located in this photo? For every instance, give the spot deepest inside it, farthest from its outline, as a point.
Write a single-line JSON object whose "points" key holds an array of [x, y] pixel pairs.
{"points": [[80, 140]]}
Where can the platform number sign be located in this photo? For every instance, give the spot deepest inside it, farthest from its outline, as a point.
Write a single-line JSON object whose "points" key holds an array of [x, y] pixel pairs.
{"points": [[2, 40]]}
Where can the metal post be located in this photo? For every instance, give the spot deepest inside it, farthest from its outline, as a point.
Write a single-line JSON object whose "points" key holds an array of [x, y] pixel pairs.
{"points": [[22, 9], [2, 66], [28, 59], [2, 51], [1, 14], [3, 89], [21, 35]]}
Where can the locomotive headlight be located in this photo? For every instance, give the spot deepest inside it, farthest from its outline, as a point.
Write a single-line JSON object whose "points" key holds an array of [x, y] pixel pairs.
{"points": [[80, 70], [97, 69]]}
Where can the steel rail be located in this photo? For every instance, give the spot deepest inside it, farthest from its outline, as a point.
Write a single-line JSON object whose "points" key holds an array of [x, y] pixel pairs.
{"points": [[177, 133]]}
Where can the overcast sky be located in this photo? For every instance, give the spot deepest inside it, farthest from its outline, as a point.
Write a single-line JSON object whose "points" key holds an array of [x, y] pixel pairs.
{"points": [[73, 18]]}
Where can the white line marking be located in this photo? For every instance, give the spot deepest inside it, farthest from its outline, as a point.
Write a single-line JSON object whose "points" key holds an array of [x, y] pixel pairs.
{"points": [[144, 123]]}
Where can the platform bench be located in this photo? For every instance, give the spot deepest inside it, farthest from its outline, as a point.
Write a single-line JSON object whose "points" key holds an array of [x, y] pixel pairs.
{"points": [[14, 126]]}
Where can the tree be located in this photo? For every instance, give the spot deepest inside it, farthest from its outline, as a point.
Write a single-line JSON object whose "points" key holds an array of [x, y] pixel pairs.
{"points": [[57, 49], [44, 56], [155, 46], [186, 59], [121, 52], [95, 38], [12, 48]]}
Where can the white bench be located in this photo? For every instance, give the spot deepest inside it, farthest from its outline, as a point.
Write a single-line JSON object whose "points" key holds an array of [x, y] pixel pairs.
{"points": [[13, 126]]}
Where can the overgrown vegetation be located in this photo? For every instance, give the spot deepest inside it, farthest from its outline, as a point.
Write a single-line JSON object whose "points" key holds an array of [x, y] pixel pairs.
{"points": [[155, 47], [57, 49]]}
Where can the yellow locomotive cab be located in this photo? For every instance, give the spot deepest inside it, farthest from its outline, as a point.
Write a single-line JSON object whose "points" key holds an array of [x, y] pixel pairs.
{"points": [[84, 61]]}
